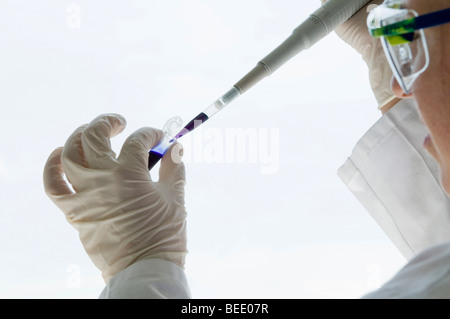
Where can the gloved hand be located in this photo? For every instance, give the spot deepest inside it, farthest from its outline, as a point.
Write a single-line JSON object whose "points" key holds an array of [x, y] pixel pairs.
{"points": [[355, 33], [122, 216]]}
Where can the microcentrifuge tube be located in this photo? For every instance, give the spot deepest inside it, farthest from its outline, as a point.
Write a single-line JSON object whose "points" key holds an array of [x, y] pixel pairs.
{"points": [[170, 129]]}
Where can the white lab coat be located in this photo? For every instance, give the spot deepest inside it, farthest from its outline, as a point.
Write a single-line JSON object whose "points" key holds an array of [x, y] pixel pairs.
{"points": [[148, 279], [396, 180]]}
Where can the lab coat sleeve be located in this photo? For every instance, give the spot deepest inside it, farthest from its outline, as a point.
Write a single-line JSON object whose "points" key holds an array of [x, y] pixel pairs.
{"points": [[426, 276], [398, 182], [148, 279]]}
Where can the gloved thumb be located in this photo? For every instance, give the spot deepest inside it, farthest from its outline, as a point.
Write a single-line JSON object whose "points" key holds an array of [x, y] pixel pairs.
{"points": [[171, 171]]}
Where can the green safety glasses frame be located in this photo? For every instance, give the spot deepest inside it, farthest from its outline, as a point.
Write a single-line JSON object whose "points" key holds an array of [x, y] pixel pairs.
{"points": [[403, 40]]}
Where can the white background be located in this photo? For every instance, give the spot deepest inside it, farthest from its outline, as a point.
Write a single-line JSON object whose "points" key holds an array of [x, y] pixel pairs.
{"points": [[295, 233]]}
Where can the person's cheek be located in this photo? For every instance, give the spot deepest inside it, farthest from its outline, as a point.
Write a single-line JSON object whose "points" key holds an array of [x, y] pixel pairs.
{"points": [[444, 171]]}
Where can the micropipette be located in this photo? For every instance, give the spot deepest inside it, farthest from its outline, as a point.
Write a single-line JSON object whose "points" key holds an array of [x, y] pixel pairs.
{"points": [[319, 24]]}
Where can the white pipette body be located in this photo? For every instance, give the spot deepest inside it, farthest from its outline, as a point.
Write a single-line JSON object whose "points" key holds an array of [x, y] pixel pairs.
{"points": [[318, 25]]}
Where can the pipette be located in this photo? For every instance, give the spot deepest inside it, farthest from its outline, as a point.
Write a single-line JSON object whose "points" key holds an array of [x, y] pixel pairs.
{"points": [[319, 24]]}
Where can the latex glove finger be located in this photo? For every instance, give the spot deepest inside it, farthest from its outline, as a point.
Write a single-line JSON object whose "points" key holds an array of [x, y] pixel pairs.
{"points": [[172, 172], [135, 149], [95, 140], [72, 151], [54, 183], [73, 160]]}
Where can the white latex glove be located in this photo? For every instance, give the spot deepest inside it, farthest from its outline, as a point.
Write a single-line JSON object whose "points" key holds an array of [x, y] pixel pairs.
{"points": [[122, 216], [354, 32]]}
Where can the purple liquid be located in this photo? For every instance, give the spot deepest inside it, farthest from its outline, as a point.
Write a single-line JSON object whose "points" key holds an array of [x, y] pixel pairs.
{"points": [[154, 157], [196, 122]]}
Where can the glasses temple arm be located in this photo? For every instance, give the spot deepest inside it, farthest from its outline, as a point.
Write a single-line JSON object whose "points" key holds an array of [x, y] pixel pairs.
{"points": [[410, 25], [433, 19]]}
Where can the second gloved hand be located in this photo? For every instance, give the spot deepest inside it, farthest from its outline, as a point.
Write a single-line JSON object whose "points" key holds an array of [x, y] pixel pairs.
{"points": [[355, 33], [122, 216]]}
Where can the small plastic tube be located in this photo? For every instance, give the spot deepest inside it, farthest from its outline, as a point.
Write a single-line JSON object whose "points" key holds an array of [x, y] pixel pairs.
{"points": [[170, 129]]}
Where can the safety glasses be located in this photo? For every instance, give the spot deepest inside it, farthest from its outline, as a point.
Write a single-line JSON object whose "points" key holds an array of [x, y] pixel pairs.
{"points": [[403, 39]]}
